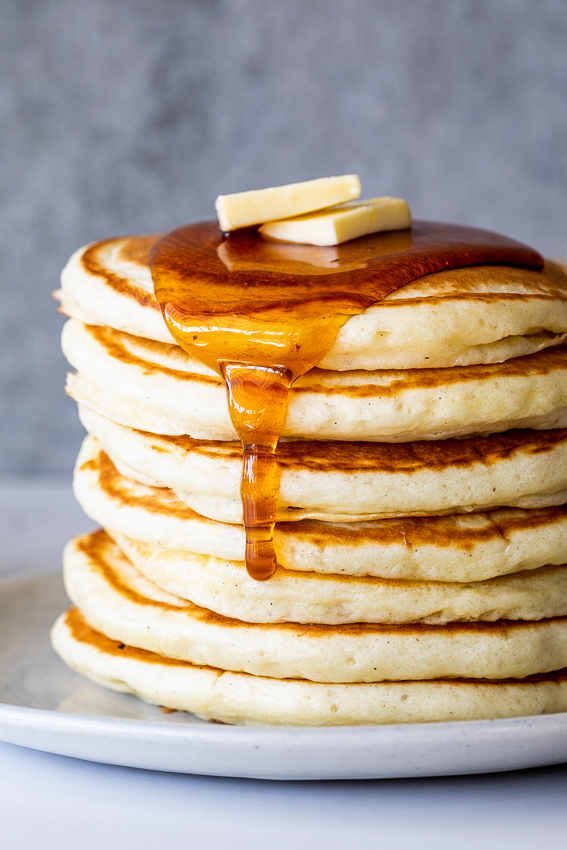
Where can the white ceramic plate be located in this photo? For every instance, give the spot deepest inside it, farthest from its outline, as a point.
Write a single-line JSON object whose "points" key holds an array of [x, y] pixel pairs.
{"points": [[45, 706]]}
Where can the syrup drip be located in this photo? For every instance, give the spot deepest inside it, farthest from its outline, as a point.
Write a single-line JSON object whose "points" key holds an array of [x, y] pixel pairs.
{"points": [[261, 314]]}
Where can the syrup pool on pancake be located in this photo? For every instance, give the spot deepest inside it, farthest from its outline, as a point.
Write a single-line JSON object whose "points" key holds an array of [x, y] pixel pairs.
{"points": [[263, 313]]}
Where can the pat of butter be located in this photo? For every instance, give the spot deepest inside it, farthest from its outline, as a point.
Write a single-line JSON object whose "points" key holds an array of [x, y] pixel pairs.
{"points": [[341, 223], [243, 209]]}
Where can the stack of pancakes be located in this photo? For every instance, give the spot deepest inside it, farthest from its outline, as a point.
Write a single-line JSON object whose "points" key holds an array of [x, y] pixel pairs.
{"points": [[422, 510]]}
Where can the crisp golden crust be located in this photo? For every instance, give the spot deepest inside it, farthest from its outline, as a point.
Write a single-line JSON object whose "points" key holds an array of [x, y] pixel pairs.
{"points": [[389, 383], [119, 489], [457, 548], [391, 458], [134, 250], [452, 548], [83, 633]]}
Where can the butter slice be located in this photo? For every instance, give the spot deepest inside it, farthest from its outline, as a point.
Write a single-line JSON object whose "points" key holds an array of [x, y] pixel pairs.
{"points": [[243, 209], [341, 223]]}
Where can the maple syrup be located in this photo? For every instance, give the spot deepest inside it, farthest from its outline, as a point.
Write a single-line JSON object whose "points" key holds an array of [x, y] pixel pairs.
{"points": [[261, 314]]}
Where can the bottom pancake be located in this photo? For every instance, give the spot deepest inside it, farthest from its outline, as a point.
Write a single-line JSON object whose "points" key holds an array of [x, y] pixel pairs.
{"points": [[243, 699]]}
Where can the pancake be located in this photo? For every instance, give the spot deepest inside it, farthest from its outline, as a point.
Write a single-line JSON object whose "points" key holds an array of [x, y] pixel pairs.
{"points": [[307, 597], [452, 548], [393, 602], [160, 388], [254, 700], [339, 481], [483, 314], [117, 600]]}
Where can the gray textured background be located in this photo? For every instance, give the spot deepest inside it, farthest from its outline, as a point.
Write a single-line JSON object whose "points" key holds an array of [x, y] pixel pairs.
{"points": [[121, 116]]}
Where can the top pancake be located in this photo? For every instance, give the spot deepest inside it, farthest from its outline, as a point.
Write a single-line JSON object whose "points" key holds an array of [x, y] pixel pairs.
{"points": [[483, 314]]}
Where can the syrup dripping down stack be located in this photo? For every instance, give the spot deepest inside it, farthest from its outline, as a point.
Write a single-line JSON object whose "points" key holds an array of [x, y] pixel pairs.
{"points": [[422, 527]]}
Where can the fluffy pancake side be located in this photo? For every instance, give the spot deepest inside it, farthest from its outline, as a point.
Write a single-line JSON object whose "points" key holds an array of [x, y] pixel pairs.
{"points": [[254, 700], [159, 388], [339, 481], [307, 597], [117, 600], [448, 548]]}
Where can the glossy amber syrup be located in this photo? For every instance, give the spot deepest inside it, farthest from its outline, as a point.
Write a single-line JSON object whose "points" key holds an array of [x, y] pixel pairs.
{"points": [[261, 314]]}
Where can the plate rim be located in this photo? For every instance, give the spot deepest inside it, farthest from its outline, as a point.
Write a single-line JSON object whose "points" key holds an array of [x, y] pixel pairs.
{"points": [[376, 751]]}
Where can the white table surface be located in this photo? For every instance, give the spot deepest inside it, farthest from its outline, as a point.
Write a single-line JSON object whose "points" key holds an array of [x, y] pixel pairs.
{"points": [[49, 801]]}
